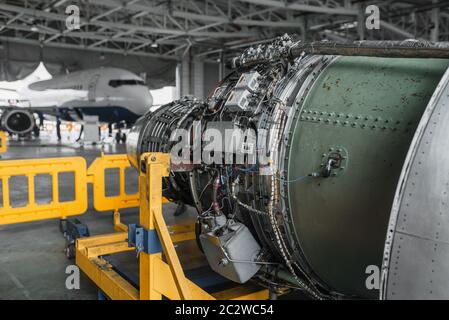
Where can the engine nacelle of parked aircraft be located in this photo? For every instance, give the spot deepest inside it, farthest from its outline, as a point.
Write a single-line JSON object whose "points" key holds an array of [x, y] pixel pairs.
{"points": [[17, 121]]}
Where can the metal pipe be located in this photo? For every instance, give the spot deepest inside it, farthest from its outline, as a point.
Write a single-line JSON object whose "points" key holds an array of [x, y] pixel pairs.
{"points": [[387, 49]]}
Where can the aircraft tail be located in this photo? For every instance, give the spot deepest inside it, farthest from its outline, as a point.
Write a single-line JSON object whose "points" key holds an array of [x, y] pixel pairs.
{"points": [[39, 74]]}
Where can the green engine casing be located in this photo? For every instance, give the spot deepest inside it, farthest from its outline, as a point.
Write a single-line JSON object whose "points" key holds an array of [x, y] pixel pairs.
{"points": [[367, 110]]}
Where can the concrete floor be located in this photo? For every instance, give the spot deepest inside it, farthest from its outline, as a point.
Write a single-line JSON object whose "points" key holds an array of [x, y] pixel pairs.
{"points": [[32, 258]]}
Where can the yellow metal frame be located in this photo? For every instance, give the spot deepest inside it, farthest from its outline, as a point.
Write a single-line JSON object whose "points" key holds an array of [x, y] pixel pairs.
{"points": [[3, 144], [158, 277]]}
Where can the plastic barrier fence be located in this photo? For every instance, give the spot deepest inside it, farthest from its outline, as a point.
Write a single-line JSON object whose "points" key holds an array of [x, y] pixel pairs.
{"points": [[58, 207], [3, 145]]}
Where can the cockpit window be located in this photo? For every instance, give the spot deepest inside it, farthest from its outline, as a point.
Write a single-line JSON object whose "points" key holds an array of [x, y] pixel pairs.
{"points": [[131, 82]]}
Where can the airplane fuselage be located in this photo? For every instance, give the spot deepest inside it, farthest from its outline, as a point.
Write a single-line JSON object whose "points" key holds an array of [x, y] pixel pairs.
{"points": [[112, 94]]}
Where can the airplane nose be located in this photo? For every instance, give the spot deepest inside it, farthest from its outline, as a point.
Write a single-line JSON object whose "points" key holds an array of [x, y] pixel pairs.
{"points": [[149, 99], [145, 100], [140, 99]]}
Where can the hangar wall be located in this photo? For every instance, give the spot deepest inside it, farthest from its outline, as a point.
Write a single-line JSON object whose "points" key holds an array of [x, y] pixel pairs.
{"points": [[18, 60], [197, 77]]}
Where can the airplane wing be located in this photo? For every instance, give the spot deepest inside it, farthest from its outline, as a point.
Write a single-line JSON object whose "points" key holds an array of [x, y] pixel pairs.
{"points": [[11, 99]]}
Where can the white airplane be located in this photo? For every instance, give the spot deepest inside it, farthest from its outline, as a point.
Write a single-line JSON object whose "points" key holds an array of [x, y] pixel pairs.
{"points": [[114, 95]]}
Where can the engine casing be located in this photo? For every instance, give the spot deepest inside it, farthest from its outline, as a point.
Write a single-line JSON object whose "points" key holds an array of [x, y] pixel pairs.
{"points": [[17, 121], [318, 177]]}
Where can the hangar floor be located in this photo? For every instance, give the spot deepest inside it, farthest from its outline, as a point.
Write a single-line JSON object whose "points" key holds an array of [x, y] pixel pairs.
{"points": [[32, 258]]}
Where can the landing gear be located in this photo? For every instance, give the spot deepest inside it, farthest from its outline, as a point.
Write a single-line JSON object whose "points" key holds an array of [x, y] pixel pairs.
{"points": [[37, 128], [58, 128], [120, 137], [81, 133], [36, 131]]}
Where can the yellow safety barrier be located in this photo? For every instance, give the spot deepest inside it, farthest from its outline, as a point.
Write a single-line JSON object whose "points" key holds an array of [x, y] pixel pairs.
{"points": [[3, 145], [122, 200], [97, 172], [33, 211]]}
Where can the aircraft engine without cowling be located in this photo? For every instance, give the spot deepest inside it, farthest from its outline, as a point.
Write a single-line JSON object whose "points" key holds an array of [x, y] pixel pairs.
{"points": [[309, 206]]}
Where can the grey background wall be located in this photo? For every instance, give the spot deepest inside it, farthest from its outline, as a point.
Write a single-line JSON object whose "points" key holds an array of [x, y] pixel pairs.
{"points": [[18, 60]]}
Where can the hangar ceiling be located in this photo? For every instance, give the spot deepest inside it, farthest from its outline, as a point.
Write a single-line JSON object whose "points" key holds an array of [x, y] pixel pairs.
{"points": [[169, 29]]}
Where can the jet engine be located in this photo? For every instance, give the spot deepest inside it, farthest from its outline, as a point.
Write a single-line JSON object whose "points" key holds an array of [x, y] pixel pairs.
{"points": [[294, 160], [17, 121]]}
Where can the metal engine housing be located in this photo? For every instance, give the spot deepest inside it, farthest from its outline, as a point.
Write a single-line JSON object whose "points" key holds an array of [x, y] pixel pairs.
{"points": [[333, 131]]}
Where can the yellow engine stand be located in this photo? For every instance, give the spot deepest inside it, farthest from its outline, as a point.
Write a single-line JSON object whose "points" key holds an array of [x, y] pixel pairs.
{"points": [[158, 277]]}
